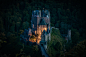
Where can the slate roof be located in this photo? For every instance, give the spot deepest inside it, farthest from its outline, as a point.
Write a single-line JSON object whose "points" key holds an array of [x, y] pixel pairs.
{"points": [[42, 22]]}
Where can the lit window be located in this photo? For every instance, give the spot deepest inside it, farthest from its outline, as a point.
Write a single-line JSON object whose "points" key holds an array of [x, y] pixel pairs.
{"points": [[35, 32], [45, 29]]}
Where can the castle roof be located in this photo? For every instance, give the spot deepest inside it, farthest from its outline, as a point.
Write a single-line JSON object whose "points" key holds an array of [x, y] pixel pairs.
{"points": [[42, 22]]}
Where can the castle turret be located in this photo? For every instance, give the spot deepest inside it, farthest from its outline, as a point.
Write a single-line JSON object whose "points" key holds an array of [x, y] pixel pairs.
{"points": [[36, 13]]}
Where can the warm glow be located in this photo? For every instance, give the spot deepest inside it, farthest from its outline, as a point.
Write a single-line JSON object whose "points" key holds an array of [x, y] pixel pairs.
{"points": [[45, 29], [38, 41], [35, 32]]}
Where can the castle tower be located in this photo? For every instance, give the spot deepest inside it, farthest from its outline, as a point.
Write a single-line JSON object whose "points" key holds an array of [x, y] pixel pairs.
{"points": [[40, 22], [69, 34]]}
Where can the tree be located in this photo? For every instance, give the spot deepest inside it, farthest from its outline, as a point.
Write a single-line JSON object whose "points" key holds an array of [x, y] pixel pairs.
{"points": [[12, 28], [1, 25], [27, 18], [21, 31], [77, 51], [36, 51], [57, 24], [33, 38], [25, 25], [55, 46], [2, 39], [75, 36], [17, 27]]}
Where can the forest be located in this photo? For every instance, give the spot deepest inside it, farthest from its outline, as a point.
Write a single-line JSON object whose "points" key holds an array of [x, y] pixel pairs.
{"points": [[15, 17]]}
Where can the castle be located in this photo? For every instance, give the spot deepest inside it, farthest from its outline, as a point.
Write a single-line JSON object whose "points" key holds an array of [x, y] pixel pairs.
{"points": [[40, 24]]}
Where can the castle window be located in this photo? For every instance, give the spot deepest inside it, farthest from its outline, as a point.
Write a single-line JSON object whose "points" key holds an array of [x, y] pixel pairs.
{"points": [[35, 32], [45, 29], [47, 16], [33, 25]]}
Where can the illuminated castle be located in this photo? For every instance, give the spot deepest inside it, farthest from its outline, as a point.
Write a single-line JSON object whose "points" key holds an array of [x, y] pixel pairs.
{"points": [[40, 24]]}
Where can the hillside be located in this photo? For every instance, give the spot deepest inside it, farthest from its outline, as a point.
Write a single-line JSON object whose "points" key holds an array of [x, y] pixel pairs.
{"points": [[55, 46], [15, 17]]}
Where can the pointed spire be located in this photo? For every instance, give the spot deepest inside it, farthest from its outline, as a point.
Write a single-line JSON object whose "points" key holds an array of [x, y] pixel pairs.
{"points": [[42, 22]]}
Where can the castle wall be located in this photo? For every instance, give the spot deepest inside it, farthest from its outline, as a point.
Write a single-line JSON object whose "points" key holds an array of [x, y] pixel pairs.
{"points": [[38, 20], [47, 38], [47, 20], [40, 30]]}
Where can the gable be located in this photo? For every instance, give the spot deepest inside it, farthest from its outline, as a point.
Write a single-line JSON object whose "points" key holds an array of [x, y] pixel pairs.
{"points": [[42, 22]]}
